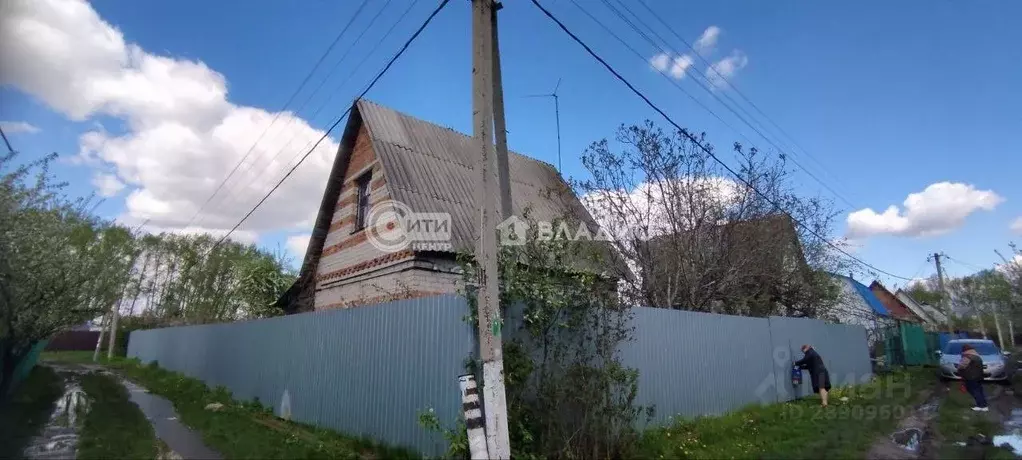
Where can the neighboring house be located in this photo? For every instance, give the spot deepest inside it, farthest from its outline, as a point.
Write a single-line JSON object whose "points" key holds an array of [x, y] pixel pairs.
{"points": [[759, 261], [857, 304], [932, 320], [386, 157], [895, 307]]}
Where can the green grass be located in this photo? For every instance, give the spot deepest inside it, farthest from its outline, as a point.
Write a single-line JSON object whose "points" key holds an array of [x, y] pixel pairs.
{"points": [[957, 422], [240, 429], [800, 429], [114, 426], [27, 410]]}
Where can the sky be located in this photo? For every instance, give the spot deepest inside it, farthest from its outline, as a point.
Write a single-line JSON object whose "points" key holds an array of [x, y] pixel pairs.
{"points": [[905, 110]]}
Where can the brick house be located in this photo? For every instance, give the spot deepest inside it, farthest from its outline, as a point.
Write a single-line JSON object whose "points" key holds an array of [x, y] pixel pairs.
{"points": [[386, 157]]}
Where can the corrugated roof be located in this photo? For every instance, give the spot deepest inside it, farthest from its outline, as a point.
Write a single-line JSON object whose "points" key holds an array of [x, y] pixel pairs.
{"points": [[430, 169], [867, 295], [893, 304]]}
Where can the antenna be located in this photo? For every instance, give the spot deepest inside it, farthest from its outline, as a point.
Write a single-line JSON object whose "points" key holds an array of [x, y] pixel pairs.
{"points": [[557, 116]]}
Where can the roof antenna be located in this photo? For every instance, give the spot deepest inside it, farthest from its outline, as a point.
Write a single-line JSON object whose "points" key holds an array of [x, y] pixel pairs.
{"points": [[557, 115]]}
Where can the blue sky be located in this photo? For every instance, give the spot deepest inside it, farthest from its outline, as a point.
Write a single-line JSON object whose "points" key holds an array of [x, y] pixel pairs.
{"points": [[888, 100]]}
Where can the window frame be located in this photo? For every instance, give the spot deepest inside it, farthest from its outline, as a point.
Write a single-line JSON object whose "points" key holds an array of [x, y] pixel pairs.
{"points": [[362, 192]]}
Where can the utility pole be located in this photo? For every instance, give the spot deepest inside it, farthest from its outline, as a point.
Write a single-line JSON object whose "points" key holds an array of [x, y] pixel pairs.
{"points": [[945, 298], [490, 168]]}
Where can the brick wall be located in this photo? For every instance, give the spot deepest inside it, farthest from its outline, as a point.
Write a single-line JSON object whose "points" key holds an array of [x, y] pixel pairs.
{"points": [[395, 285], [351, 271]]}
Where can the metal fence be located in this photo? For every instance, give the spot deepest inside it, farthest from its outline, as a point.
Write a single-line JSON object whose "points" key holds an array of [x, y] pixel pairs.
{"points": [[370, 370], [362, 371], [693, 363]]}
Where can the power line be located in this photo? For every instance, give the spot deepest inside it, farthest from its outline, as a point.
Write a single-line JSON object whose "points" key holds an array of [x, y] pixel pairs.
{"points": [[344, 115], [695, 75], [231, 192], [9, 148], [706, 150], [277, 115], [735, 88], [962, 262]]}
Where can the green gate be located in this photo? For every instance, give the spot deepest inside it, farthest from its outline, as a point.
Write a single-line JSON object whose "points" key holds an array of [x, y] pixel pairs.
{"points": [[908, 345]]}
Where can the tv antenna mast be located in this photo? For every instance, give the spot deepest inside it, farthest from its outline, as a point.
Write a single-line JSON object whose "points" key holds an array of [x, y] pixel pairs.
{"points": [[557, 116]]}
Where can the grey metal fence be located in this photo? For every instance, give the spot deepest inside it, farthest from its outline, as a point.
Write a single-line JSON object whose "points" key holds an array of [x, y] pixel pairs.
{"points": [[362, 371], [370, 370]]}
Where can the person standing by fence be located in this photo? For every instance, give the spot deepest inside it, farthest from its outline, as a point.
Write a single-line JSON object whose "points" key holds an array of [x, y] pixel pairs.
{"points": [[818, 374], [971, 370]]}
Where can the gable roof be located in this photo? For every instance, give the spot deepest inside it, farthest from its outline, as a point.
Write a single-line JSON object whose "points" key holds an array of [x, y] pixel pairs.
{"points": [[865, 293], [893, 305], [431, 169], [913, 307], [925, 311]]}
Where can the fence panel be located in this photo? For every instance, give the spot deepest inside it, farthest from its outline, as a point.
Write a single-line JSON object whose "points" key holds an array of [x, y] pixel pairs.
{"points": [[362, 371], [843, 348], [693, 363], [369, 370]]}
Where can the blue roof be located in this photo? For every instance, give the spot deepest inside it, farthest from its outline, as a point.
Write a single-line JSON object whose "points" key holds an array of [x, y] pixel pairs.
{"points": [[867, 295]]}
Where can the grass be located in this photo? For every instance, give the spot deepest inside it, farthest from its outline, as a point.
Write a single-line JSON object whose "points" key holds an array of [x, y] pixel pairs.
{"points": [[800, 429], [114, 426], [957, 422], [240, 429], [27, 410]]}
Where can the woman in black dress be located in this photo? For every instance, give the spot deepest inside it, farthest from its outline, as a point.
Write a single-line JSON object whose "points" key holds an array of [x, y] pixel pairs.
{"points": [[818, 374]]}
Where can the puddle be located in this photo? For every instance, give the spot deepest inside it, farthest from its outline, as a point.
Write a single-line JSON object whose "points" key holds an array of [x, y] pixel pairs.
{"points": [[59, 438], [908, 439], [1012, 436]]}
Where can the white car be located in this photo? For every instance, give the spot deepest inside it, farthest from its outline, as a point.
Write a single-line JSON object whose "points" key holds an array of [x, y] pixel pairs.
{"points": [[995, 363]]}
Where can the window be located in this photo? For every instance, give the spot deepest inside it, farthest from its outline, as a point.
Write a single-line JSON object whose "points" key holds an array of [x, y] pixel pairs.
{"points": [[983, 348], [362, 203]]}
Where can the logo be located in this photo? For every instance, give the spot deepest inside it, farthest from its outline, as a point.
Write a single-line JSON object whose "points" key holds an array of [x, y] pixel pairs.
{"points": [[513, 231], [392, 226]]}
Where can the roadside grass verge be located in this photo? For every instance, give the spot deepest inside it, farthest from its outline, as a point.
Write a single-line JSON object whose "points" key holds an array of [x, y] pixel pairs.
{"points": [[241, 429], [114, 426], [798, 429], [24, 413], [957, 422]]}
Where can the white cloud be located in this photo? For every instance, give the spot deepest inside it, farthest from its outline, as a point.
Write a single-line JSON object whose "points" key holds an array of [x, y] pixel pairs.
{"points": [[660, 62], [1016, 226], [704, 45], [297, 244], [680, 65], [673, 66], [939, 209], [12, 127], [184, 135], [721, 71], [107, 185], [612, 208]]}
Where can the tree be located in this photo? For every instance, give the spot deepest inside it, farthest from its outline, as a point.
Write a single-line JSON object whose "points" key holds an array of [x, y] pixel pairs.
{"points": [[59, 265], [984, 296], [698, 240], [927, 292]]}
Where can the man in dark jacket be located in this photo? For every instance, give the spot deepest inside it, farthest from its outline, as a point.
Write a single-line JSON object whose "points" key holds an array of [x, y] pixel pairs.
{"points": [[818, 374], [971, 370]]}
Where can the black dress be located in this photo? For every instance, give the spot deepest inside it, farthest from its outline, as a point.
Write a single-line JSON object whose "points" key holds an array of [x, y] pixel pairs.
{"points": [[818, 374]]}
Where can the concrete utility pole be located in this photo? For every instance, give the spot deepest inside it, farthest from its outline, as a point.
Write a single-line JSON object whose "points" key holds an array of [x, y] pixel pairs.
{"points": [[945, 298], [484, 74]]}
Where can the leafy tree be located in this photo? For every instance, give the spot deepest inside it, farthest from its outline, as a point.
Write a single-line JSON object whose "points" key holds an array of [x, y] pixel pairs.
{"points": [[698, 240], [59, 265], [926, 292]]}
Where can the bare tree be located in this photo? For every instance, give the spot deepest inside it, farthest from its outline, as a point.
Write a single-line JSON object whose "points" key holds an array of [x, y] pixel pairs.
{"points": [[697, 239]]}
